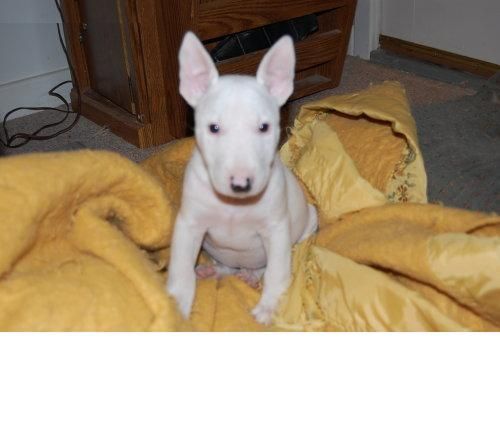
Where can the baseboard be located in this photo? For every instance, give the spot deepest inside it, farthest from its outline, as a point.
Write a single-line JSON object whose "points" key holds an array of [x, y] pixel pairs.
{"points": [[440, 57], [33, 92]]}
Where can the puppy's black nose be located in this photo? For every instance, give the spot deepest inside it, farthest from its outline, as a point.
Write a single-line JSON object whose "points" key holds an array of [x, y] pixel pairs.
{"points": [[239, 186]]}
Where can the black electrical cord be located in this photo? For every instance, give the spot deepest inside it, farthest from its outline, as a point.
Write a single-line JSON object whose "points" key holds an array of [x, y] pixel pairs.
{"points": [[24, 137]]}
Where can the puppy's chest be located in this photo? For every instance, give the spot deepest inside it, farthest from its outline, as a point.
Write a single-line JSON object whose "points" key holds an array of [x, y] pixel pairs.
{"points": [[235, 229]]}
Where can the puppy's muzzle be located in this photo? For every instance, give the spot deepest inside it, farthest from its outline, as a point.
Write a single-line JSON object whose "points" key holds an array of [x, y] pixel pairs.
{"points": [[241, 185]]}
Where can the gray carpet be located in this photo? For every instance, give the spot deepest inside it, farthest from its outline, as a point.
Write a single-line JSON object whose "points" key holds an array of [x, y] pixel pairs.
{"points": [[460, 142], [86, 134], [460, 138], [457, 116]]}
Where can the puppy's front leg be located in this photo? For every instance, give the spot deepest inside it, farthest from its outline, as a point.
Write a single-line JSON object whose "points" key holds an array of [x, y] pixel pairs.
{"points": [[186, 244], [278, 271]]}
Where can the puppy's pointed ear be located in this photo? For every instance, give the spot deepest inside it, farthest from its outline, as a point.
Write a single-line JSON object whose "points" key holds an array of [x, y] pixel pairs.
{"points": [[277, 69], [196, 69]]}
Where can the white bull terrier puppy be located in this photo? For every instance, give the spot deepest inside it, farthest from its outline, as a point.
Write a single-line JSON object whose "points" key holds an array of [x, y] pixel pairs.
{"points": [[239, 201]]}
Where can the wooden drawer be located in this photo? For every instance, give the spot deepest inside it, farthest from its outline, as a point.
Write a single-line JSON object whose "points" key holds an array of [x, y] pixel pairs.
{"points": [[221, 17], [312, 52]]}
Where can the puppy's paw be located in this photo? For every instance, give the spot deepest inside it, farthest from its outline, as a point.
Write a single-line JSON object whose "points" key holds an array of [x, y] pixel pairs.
{"points": [[184, 304], [263, 314], [251, 277], [205, 271], [184, 297]]}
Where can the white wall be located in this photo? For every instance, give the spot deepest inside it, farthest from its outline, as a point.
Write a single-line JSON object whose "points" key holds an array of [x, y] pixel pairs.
{"points": [[31, 58], [366, 28], [467, 27]]}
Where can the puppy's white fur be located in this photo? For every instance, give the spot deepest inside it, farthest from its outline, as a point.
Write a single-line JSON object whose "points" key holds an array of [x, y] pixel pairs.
{"points": [[253, 228]]}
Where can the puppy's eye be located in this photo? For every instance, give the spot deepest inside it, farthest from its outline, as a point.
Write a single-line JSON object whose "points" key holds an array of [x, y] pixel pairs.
{"points": [[214, 128], [264, 127]]}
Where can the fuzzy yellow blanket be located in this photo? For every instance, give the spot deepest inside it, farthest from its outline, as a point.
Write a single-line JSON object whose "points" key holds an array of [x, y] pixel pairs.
{"points": [[84, 236]]}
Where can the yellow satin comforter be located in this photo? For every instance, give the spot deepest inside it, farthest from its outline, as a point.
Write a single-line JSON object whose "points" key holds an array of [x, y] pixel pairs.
{"points": [[84, 237]]}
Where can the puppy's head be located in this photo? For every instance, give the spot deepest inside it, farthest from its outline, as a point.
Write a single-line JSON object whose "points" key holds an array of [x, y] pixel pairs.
{"points": [[237, 117]]}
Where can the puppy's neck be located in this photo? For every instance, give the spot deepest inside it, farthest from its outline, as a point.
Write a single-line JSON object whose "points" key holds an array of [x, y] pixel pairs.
{"points": [[245, 201]]}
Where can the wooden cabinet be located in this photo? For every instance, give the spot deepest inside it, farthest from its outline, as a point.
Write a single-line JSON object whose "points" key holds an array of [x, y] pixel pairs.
{"points": [[125, 55]]}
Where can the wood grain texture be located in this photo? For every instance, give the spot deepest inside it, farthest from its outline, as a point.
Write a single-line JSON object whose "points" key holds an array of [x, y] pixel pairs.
{"points": [[440, 57], [103, 44], [150, 53], [174, 19], [104, 112], [152, 32], [138, 75], [221, 17], [311, 52], [310, 84], [342, 19], [72, 29]]}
